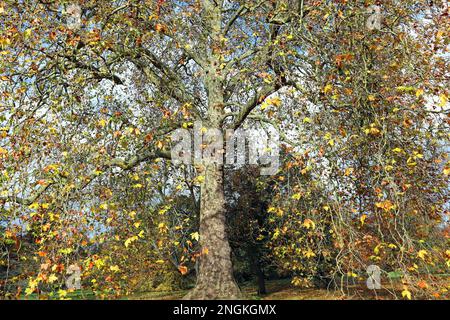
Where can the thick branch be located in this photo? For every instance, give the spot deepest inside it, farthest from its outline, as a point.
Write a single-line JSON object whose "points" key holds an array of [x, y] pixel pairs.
{"points": [[258, 98], [117, 162]]}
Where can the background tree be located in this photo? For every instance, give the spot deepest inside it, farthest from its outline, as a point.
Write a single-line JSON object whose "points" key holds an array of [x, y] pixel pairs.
{"points": [[248, 196]]}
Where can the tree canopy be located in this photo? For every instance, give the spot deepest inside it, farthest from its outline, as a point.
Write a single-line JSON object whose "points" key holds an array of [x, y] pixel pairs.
{"points": [[91, 93]]}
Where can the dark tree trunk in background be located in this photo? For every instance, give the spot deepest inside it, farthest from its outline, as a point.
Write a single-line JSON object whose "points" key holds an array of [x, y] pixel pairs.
{"points": [[255, 263]]}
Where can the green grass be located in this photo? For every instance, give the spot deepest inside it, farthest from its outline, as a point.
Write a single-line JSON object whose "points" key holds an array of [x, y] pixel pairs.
{"points": [[74, 295], [277, 290]]}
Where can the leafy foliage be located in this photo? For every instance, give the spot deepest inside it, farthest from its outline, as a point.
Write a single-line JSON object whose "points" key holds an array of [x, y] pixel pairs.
{"points": [[87, 110]]}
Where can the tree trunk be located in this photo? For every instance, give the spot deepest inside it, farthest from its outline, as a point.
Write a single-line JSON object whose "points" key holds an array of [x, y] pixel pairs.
{"points": [[215, 279], [261, 281], [254, 259]]}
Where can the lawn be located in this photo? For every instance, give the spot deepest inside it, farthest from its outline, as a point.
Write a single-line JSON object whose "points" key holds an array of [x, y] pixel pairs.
{"points": [[281, 290]]}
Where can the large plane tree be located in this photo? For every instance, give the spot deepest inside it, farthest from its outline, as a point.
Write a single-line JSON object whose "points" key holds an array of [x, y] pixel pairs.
{"points": [[85, 100]]}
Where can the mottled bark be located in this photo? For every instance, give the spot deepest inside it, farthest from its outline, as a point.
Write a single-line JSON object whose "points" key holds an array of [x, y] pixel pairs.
{"points": [[215, 279]]}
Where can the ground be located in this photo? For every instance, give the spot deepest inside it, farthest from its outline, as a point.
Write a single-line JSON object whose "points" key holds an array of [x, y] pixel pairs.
{"points": [[281, 290], [277, 290]]}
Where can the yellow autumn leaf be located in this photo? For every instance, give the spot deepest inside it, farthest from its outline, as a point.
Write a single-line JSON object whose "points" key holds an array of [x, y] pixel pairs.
{"points": [[162, 227], [363, 219], [309, 253], [414, 267], [276, 234], [376, 250], [419, 93], [443, 100], [406, 294], [268, 79], [327, 89], [163, 210], [114, 268], [309, 224], [27, 33], [129, 241], [62, 293], [52, 278], [187, 125], [66, 251], [417, 155], [278, 211], [348, 171], [102, 123], [29, 291], [386, 205], [34, 206], [32, 285], [275, 102], [422, 253], [265, 105], [296, 196], [373, 131], [195, 236]]}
